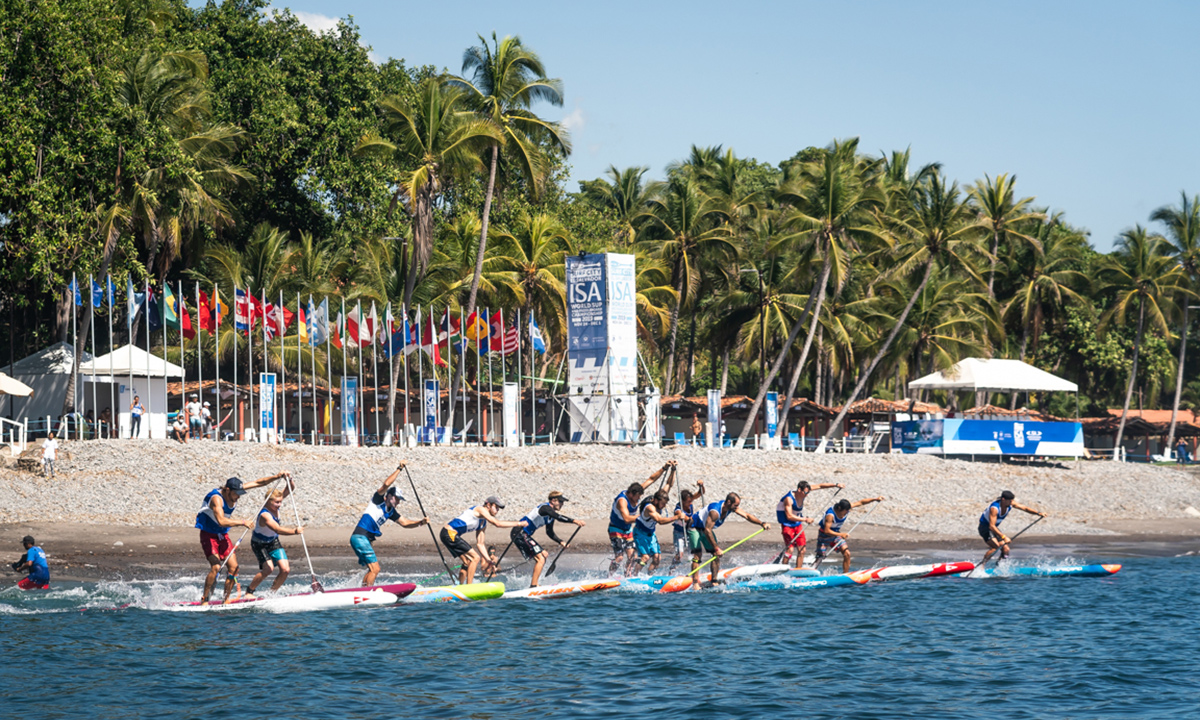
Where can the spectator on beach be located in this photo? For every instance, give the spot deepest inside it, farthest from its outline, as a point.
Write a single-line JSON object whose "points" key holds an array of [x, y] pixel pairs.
{"points": [[136, 409], [697, 428], [206, 420], [106, 423], [34, 562], [89, 425], [1182, 456], [195, 417], [179, 429], [49, 454]]}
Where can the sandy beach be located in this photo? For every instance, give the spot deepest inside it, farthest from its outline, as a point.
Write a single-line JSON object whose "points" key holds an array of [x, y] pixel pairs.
{"points": [[126, 509]]}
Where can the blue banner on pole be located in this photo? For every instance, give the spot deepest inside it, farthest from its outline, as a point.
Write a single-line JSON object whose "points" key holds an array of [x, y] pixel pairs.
{"points": [[350, 410], [266, 404], [772, 413], [431, 405]]}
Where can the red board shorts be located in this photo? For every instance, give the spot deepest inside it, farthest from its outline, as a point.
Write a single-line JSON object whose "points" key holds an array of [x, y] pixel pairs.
{"points": [[28, 583], [794, 536], [218, 545]]}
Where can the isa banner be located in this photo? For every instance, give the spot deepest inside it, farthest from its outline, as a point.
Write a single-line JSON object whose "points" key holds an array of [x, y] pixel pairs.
{"points": [[772, 413], [266, 404], [350, 410], [431, 405]]}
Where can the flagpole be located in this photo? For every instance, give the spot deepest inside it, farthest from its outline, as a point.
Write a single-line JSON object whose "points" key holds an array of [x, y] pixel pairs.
{"points": [[503, 366], [532, 387], [130, 324], [199, 357], [313, 326], [299, 373], [328, 367], [182, 364], [420, 363], [183, 378], [237, 391], [92, 325], [117, 411], [491, 403], [375, 372], [146, 303], [360, 427], [404, 350], [462, 368], [217, 358]]}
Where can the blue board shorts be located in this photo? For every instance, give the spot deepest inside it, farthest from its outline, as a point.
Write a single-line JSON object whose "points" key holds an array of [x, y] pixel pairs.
{"points": [[363, 549], [646, 543], [270, 550]]}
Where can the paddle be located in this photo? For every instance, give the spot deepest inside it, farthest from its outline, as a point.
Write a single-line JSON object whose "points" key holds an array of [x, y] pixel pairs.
{"points": [[842, 541], [550, 570], [496, 568], [998, 555], [421, 506], [316, 586], [787, 550], [739, 542], [233, 549]]}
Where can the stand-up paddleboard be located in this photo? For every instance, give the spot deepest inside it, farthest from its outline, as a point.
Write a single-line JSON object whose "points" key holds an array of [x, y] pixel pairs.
{"points": [[909, 572], [456, 593], [652, 583], [350, 597], [785, 582], [803, 572], [742, 572], [1062, 571], [567, 589]]}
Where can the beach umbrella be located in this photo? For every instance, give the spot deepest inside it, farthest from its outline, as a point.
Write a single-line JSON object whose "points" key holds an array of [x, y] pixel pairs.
{"points": [[12, 386]]}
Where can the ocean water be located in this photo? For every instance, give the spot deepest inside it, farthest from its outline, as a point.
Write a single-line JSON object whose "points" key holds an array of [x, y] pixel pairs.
{"points": [[1127, 646]]}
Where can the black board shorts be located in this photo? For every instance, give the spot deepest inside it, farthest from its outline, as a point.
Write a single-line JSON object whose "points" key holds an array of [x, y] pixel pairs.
{"points": [[263, 550], [454, 542], [525, 543], [985, 532]]}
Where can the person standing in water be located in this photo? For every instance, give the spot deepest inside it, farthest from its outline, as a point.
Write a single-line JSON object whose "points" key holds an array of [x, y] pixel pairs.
{"points": [[264, 541], [645, 528], [830, 536], [544, 515], [474, 518], [621, 518], [213, 521], [370, 526], [702, 534], [989, 523], [679, 528], [789, 513]]}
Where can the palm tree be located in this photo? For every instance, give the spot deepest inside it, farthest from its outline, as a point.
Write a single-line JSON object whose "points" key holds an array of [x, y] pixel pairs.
{"points": [[1046, 278], [532, 260], [1002, 215], [1183, 230], [624, 195], [682, 225], [1141, 271], [435, 136], [654, 298], [832, 201], [938, 229]]}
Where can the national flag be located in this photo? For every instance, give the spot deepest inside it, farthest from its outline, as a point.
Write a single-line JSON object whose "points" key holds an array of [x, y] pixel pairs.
{"points": [[133, 302], [449, 331], [535, 336], [278, 319], [112, 292], [220, 308], [373, 325], [302, 324], [204, 314], [97, 292], [241, 310], [170, 315], [429, 342], [359, 330], [266, 312], [318, 322], [477, 330], [155, 311], [504, 341], [73, 287], [335, 337]]}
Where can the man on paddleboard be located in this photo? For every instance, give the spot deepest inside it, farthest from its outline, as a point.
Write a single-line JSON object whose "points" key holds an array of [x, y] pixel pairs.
{"points": [[679, 533], [989, 523], [474, 518], [789, 513], [264, 541], [702, 533], [370, 525], [33, 562], [622, 516], [645, 529], [214, 522], [544, 515], [830, 536]]}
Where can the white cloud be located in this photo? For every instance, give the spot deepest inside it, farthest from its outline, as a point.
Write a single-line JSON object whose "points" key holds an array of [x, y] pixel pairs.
{"points": [[575, 120], [316, 22]]}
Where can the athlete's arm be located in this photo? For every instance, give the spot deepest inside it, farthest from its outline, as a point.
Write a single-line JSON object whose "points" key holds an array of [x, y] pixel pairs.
{"points": [[993, 513], [263, 481], [655, 475], [483, 513], [752, 519], [217, 504], [406, 523], [661, 519], [709, 523], [792, 515], [826, 486], [623, 509], [866, 501], [827, 528], [1029, 510], [265, 518]]}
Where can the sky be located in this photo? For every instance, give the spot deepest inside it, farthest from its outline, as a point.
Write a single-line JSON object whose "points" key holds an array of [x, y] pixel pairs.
{"points": [[1092, 105]]}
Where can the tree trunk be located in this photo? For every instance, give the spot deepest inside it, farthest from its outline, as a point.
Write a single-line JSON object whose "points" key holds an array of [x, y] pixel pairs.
{"points": [[1137, 346], [674, 329], [1178, 378], [887, 344], [691, 363], [787, 345], [992, 272], [724, 369], [819, 382], [808, 341]]}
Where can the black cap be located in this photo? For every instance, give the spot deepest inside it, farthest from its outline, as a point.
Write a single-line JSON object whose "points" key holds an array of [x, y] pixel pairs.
{"points": [[554, 494], [1008, 495], [235, 484], [28, 540]]}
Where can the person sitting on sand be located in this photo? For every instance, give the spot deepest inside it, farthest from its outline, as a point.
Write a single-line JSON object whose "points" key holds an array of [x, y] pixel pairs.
{"points": [[179, 429], [645, 529], [214, 522], [830, 535], [789, 513], [621, 518], [679, 528], [33, 562], [474, 518], [544, 515], [370, 525], [702, 533], [989, 523], [264, 541]]}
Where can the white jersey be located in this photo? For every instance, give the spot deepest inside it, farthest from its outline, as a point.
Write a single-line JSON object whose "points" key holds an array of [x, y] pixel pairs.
{"points": [[468, 521]]}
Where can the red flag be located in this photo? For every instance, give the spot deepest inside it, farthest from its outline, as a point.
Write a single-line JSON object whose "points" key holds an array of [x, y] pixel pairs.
{"points": [[503, 341], [429, 343], [185, 321], [334, 336], [204, 313]]}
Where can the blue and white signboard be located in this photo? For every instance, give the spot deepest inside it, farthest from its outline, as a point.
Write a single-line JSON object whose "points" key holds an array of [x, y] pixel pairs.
{"points": [[350, 410], [713, 432], [989, 437], [266, 404], [772, 413], [602, 347], [431, 415]]}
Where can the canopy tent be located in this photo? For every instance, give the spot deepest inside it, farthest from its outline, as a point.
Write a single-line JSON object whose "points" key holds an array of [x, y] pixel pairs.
{"points": [[127, 372], [47, 372], [131, 360], [12, 386], [993, 375]]}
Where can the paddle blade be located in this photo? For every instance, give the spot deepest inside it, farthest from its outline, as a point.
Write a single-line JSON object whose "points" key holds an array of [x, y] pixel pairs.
{"points": [[316, 586]]}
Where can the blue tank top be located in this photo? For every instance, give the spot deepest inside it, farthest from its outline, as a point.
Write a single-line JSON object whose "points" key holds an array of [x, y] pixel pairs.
{"points": [[615, 521], [40, 570], [262, 533], [781, 510], [206, 521], [699, 519], [534, 519], [1001, 513], [835, 526], [376, 516]]}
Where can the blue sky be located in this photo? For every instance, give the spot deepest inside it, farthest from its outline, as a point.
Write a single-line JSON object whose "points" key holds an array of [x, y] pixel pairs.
{"points": [[1093, 105]]}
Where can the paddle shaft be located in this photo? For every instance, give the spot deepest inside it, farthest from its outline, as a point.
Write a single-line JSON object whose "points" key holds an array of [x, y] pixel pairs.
{"points": [[739, 542], [550, 570], [796, 541], [1014, 537], [436, 544], [842, 541], [316, 586], [233, 549], [496, 567]]}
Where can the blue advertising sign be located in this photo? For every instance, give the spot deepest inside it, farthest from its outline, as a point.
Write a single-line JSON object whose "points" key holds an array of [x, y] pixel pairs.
{"points": [[989, 437], [586, 322], [349, 410], [432, 406], [266, 404], [772, 413], [918, 436]]}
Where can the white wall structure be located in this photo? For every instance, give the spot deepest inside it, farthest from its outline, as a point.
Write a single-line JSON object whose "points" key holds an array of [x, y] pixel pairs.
{"points": [[48, 372], [602, 348], [147, 373]]}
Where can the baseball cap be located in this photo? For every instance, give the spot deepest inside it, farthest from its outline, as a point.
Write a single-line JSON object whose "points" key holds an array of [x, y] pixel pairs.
{"points": [[493, 500], [205, 403], [235, 484], [393, 491], [556, 494]]}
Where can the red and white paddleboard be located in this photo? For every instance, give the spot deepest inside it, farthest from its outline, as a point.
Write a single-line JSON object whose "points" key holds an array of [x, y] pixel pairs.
{"points": [[567, 589], [350, 597], [909, 572], [742, 572]]}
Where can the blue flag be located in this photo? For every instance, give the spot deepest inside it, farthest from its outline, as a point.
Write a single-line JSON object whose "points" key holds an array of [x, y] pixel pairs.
{"points": [[112, 292], [535, 335], [97, 293], [133, 302], [74, 288]]}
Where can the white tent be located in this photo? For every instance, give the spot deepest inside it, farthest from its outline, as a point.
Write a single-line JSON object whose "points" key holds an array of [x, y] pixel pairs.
{"points": [[113, 380], [48, 372], [993, 375]]}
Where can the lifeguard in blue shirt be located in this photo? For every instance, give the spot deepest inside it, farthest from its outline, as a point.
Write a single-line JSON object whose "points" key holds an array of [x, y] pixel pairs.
{"points": [[33, 562]]}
